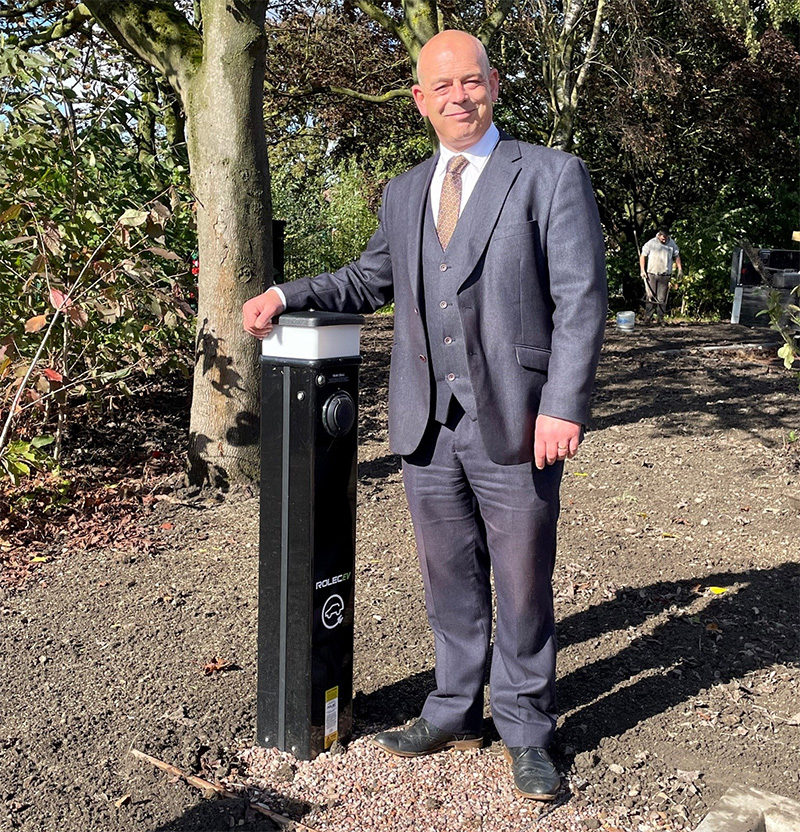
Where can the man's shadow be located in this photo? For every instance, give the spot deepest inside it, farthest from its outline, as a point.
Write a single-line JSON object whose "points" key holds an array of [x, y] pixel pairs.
{"points": [[752, 624]]}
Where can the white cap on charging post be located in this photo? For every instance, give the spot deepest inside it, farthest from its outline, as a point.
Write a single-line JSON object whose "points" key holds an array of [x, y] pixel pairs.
{"points": [[313, 336]]}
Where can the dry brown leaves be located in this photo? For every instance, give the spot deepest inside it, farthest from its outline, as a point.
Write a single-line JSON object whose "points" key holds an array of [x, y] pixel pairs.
{"points": [[49, 514]]}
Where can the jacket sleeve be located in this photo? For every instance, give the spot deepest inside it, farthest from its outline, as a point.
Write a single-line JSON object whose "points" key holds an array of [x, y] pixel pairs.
{"points": [[577, 277]]}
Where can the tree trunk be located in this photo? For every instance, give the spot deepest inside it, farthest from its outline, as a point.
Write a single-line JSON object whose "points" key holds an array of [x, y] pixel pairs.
{"points": [[230, 179], [219, 77]]}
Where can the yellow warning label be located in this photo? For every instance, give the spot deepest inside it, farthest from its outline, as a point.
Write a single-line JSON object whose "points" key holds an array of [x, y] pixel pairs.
{"points": [[331, 716]]}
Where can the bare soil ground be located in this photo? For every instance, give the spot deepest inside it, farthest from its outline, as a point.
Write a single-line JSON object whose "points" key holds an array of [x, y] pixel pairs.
{"points": [[678, 597]]}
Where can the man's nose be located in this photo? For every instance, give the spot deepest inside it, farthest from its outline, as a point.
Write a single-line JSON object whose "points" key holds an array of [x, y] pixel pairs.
{"points": [[458, 92]]}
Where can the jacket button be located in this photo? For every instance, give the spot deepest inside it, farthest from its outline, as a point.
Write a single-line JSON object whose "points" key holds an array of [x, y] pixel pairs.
{"points": [[448, 340], [443, 267], [422, 358], [443, 304], [451, 376], [416, 311]]}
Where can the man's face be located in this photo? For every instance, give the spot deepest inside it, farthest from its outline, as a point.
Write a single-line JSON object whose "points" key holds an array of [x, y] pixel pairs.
{"points": [[662, 238], [456, 89]]}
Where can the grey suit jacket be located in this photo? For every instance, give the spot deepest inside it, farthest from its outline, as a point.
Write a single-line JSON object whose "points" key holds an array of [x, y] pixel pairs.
{"points": [[532, 304]]}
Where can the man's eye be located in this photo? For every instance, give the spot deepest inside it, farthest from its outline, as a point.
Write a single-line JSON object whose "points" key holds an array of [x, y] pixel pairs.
{"points": [[441, 88], [472, 83]]}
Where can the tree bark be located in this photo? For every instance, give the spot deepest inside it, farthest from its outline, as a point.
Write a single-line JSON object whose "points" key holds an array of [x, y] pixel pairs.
{"points": [[219, 77], [570, 47], [230, 178]]}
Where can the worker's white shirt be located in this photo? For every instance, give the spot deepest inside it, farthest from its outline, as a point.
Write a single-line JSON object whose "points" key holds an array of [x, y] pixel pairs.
{"points": [[660, 256]]}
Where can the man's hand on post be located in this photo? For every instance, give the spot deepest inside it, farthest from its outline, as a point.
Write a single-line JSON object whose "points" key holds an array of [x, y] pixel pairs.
{"points": [[258, 312], [555, 440]]}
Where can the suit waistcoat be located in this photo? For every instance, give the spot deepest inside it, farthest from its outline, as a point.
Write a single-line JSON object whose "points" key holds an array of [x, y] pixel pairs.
{"points": [[442, 273]]}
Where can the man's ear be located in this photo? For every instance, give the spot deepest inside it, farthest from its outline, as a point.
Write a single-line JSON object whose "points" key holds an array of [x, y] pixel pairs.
{"points": [[419, 99], [494, 83]]}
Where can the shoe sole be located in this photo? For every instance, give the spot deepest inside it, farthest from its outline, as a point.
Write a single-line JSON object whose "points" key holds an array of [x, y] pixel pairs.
{"points": [[457, 745], [527, 795]]}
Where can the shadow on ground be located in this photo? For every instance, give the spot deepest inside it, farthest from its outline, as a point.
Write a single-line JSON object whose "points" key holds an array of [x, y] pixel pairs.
{"points": [[751, 625]]}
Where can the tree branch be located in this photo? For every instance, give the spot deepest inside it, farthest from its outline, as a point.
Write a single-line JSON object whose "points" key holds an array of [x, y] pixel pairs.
{"points": [[65, 27], [362, 96], [156, 32], [495, 20], [591, 48], [383, 98], [379, 16], [30, 6]]}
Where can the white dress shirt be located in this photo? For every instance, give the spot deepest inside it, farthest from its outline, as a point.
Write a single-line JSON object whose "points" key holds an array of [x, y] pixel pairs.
{"points": [[477, 156]]}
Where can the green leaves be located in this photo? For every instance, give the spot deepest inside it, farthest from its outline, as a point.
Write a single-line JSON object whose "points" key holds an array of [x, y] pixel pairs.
{"points": [[20, 457], [133, 218], [11, 213], [79, 200], [788, 354]]}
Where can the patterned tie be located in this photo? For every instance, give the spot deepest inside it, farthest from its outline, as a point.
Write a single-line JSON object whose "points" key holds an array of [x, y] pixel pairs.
{"points": [[450, 202]]}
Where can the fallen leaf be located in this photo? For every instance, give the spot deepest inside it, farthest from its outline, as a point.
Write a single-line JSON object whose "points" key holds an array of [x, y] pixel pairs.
{"points": [[36, 323], [168, 526], [52, 375], [122, 801], [718, 590], [218, 665], [714, 628]]}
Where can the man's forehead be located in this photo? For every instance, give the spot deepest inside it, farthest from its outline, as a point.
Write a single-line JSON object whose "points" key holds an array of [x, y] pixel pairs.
{"points": [[449, 71]]}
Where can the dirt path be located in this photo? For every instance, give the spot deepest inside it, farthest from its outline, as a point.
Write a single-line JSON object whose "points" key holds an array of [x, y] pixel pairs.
{"points": [[678, 596]]}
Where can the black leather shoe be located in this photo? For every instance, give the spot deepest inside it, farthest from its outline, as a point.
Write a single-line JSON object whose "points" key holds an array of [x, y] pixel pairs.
{"points": [[535, 776], [423, 738]]}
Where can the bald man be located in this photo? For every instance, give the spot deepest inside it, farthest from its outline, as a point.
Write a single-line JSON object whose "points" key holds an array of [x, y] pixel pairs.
{"points": [[493, 254]]}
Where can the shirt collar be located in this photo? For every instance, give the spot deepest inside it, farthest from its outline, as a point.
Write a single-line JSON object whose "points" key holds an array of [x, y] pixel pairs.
{"points": [[476, 155]]}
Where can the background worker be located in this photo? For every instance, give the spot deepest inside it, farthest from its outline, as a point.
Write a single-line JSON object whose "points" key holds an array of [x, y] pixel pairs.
{"points": [[658, 258]]}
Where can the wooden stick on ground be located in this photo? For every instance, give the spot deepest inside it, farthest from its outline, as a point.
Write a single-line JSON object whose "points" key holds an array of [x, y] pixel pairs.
{"points": [[280, 819], [208, 786], [197, 782]]}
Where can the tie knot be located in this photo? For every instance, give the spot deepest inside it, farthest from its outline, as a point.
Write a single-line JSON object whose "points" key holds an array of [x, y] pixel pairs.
{"points": [[457, 164]]}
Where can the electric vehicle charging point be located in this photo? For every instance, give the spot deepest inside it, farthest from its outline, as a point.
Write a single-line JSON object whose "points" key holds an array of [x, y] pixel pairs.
{"points": [[309, 414]]}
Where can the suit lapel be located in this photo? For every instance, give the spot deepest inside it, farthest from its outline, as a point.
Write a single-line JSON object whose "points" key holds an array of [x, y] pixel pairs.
{"points": [[418, 204], [486, 202]]}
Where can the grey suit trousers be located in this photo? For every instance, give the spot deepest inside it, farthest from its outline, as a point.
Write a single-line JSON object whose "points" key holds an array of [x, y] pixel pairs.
{"points": [[472, 516]]}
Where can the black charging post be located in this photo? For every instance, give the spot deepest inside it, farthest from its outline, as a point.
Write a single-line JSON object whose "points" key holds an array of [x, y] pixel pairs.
{"points": [[309, 408]]}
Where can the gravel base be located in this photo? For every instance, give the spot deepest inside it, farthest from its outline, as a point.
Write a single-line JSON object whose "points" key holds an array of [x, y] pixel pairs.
{"points": [[365, 788]]}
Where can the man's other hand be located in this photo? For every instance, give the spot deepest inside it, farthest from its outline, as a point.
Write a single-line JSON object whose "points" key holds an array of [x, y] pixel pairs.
{"points": [[258, 312], [555, 440]]}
